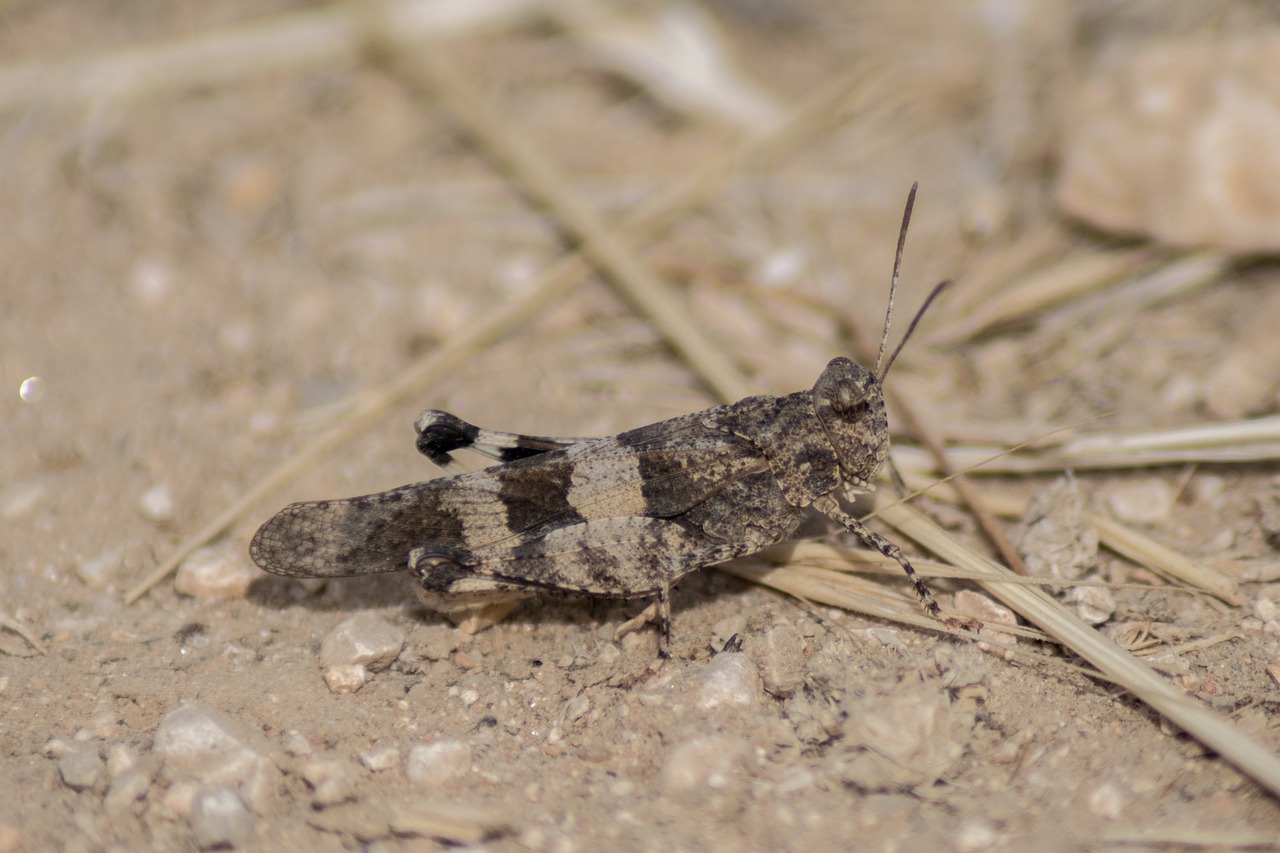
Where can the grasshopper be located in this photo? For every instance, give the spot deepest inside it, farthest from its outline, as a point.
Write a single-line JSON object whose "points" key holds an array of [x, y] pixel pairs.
{"points": [[623, 516]]}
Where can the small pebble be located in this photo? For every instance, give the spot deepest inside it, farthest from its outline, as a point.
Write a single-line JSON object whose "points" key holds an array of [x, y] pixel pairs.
{"points": [[701, 764], [82, 770], [219, 819], [197, 743], [363, 639], [100, 726], [127, 789], [439, 763], [20, 499], [1093, 604], [217, 572], [1146, 501], [1058, 539], [976, 835], [1106, 801], [381, 758], [1265, 609], [98, 572], [296, 744], [988, 612], [345, 679], [781, 660], [120, 759], [157, 503], [331, 781], [729, 680], [728, 628], [58, 746]]}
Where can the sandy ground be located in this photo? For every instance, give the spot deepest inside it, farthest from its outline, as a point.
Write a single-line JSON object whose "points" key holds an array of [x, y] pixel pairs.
{"points": [[201, 278]]}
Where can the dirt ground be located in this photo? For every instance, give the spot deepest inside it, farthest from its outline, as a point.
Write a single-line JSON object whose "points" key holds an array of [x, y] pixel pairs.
{"points": [[198, 278]]}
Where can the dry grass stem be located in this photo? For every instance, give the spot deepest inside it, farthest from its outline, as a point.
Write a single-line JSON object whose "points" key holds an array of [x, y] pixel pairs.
{"points": [[1253, 440], [325, 37], [1068, 278]]}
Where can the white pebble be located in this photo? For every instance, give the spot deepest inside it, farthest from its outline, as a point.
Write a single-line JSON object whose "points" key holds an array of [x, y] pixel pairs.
{"points": [[976, 835], [127, 789], [1093, 604], [98, 572], [1146, 501], [1106, 801], [198, 743], [82, 771], [363, 639], [219, 819], [988, 612], [1265, 609], [381, 758], [296, 744], [712, 762], [121, 758], [216, 572], [781, 660], [347, 678], [100, 726], [157, 503], [438, 763], [331, 781], [729, 680]]}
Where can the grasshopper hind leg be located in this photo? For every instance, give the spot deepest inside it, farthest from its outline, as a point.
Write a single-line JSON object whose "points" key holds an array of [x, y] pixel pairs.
{"points": [[447, 585]]}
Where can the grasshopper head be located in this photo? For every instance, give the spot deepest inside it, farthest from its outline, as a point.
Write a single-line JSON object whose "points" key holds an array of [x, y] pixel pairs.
{"points": [[850, 405]]}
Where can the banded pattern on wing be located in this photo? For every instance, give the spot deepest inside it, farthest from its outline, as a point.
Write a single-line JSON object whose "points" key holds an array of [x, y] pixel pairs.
{"points": [[657, 471], [624, 556]]}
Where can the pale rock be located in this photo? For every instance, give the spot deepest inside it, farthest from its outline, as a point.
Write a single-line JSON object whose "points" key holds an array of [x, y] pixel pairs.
{"points": [[728, 681], [216, 572], [362, 639], [157, 503], [1265, 609], [346, 678], [219, 819], [1106, 801], [295, 743], [439, 763], [380, 758], [82, 771], [988, 612], [1058, 540], [332, 781], [1145, 501], [127, 789], [781, 660], [121, 758], [976, 835], [1175, 141], [198, 743], [704, 764], [898, 741], [1093, 604]]}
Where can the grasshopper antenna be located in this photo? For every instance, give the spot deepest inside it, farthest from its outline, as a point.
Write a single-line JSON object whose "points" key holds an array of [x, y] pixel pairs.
{"points": [[893, 282], [893, 290]]}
